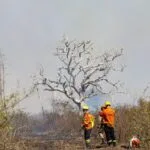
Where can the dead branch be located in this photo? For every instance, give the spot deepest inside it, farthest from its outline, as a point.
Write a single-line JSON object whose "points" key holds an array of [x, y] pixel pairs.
{"points": [[81, 73]]}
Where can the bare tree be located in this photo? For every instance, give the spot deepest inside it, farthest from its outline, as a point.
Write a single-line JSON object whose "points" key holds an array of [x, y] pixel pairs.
{"points": [[82, 73]]}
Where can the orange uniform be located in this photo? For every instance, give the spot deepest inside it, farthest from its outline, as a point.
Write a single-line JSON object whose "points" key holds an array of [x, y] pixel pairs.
{"points": [[88, 121], [108, 115]]}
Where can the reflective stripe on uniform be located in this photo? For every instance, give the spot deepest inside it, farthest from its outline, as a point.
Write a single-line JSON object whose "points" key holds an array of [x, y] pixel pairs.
{"points": [[87, 141], [110, 141]]}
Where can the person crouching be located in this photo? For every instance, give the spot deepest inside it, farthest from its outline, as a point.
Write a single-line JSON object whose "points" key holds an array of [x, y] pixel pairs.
{"points": [[134, 142]]}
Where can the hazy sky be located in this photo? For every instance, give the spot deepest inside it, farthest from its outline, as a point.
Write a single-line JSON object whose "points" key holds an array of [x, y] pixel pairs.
{"points": [[30, 30]]}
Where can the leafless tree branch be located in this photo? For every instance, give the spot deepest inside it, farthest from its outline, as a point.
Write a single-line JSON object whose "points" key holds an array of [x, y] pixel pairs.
{"points": [[81, 73]]}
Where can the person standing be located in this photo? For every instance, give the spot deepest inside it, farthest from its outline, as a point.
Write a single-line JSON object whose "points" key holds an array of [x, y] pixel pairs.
{"points": [[108, 115], [101, 126], [87, 124]]}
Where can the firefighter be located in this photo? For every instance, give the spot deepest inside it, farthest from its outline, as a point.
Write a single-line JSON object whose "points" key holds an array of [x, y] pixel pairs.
{"points": [[108, 115], [101, 126], [87, 124], [134, 142]]}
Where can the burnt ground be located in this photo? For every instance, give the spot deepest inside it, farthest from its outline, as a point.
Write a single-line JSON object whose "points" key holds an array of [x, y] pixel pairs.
{"points": [[72, 144]]}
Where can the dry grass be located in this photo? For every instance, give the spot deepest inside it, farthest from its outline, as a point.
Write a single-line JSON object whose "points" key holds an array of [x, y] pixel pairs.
{"points": [[39, 144], [129, 120]]}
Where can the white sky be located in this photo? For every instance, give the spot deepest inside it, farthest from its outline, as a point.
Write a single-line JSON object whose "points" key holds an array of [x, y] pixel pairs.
{"points": [[30, 29]]}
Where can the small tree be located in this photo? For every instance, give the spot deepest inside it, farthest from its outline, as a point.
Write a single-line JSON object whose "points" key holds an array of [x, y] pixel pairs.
{"points": [[82, 73]]}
